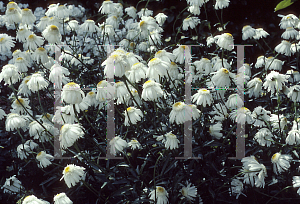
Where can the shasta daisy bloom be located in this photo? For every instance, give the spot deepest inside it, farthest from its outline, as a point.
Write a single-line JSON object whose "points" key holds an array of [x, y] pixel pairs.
{"points": [[119, 64], [189, 192], [22, 64], [33, 42], [210, 40], [147, 24], [131, 11], [22, 151], [284, 48], [260, 61], [151, 91], [37, 82], [161, 195], [43, 23], [202, 97], [51, 10], [10, 74], [248, 32], [40, 55], [72, 174], [113, 21], [234, 101], [218, 64], [120, 92], [190, 22], [275, 81], [273, 64], [171, 141], [179, 113], [220, 4], [6, 42], [34, 200], [164, 56], [160, 18], [57, 75], [117, 144], [107, 7], [12, 16], [44, 159], [260, 33], [221, 78], [104, 91], [264, 137], [294, 93], [260, 115], [12, 185], [289, 20], [137, 72], [2, 114], [157, 68], [52, 34], [242, 115], [72, 93], [18, 104], [88, 27], [225, 41], [13, 5], [275, 122], [179, 54], [215, 129], [290, 33], [293, 137], [27, 16], [255, 87], [14, 121], [62, 198], [134, 144], [69, 133], [145, 12], [62, 12], [296, 183], [237, 188], [203, 66], [132, 115], [281, 162], [194, 10], [35, 129]]}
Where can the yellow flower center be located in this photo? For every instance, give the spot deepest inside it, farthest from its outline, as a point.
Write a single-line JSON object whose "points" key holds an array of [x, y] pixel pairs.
{"points": [[26, 81], [47, 115], [71, 84], [18, 102], [142, 23], [25, 9], [31, 36], [225, 71], [153, 59], [136, 63], [245, 26], [228, 34], [115, 17], [275, 156], [41, 49], [129, 108], [11, 2], [173, 63], [39, 153], [160, 189], [177, 104], [11, 9], [149, 81], [91, 93], [19, 58], [132, 44], [159, 51], [53, 27], [133, 140], [2, 39], [67, 169]]}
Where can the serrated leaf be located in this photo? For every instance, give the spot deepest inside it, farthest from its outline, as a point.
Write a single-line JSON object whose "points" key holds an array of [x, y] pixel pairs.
{"points": [[283, 4]]}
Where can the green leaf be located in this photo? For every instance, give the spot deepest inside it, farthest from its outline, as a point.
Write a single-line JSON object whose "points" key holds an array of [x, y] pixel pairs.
{"points": [[283, 4]]}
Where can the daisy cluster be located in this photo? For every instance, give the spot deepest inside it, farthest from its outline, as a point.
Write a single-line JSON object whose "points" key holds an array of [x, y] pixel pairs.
{"points": [[141, 88]]}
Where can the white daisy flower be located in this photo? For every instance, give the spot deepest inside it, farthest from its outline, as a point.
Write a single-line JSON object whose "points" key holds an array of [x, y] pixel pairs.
{"points": [[44, 159], [132, 116], [225, 41], [179, 113], [117, 144], [260, 61], [179, 54], [242, 115], [255, 87], [52, 34], [160, 18], [145, 12], [131, 11], [237, 187], [293, 137], [221, 78], [134, 144], [18, 105], [62, 12], [44, 22], [190, 22], [22, 64], [202, 97], [12, 185], [273, 64], [248, 32], [33, 200], [37, 82], [161, 195], [72, 174], [274, 81], [88, 27], [294, 93], [189, 192], [264, 137], [234, 101], [281, 162], [290, 33], [107, 7], [157, 68], [203, 66], [151, 91], [220, 4], [260, 33], [62, 198], [215, 129], [13, 16], [10, 74], [260, 115], [27, 16], [104, 91], [296, 183], [14, 121], [69, 133], [32, 42], [22, 34], [289, 20], [72, 93]]}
